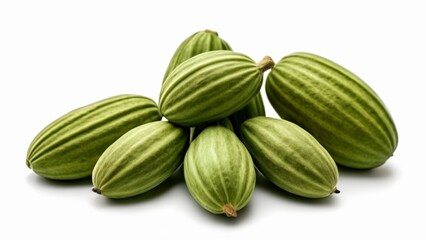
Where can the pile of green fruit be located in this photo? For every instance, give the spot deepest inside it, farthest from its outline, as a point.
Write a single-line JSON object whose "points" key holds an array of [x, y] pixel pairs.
{"points": [[210, 118]]}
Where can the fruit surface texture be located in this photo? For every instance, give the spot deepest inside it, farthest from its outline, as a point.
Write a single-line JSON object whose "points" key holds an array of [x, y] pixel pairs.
{"points": [[219, 171], [69, 147], [210, 86], [290, 157], [140, 160], [338, 108], [199, 42], [254, 108]]}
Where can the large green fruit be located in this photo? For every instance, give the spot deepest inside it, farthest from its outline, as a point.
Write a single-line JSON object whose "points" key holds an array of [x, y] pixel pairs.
{"points": [[290, 157], [211, 86], [69, 147], [199, 42], [219, 171], [140, 160], [339, 109]]}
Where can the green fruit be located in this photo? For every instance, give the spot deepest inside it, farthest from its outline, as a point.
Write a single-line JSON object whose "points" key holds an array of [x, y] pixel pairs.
{"points": [[69, 147], [290, 157], [199, 42], [140, 160], [219, 171], [210, 86], [339, 109]]}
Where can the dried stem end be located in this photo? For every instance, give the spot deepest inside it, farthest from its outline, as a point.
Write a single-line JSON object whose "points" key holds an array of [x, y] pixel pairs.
{"points": [[96, 190], [265, 64], [229, 210]]}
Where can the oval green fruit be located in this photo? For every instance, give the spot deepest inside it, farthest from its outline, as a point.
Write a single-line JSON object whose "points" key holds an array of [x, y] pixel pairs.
{"points": [[199, 42], [210, 86], [140, 160], [69, 147], [290, 157], [339, 109], [219, 171]]}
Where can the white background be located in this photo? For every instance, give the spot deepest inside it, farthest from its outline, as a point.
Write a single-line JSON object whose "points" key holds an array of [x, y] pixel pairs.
{"points": [[56, 56]]}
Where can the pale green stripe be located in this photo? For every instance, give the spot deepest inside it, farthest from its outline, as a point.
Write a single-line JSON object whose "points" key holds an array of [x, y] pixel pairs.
{"points": [[331, 75], [103, 117], [299, 110]]}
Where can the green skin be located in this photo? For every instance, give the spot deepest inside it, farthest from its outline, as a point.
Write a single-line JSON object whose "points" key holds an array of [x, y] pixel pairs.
{"points": [[225, 122], [219, 171], [68, 148], [290, 157], [199, 42], [339, 109], [221, 81], [254, 108], [140, 160]]}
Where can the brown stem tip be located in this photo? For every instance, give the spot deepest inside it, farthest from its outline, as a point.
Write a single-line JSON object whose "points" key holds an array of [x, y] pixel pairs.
{"points": [[98, 191], [337, 191], [229, 210], [265, 64]]}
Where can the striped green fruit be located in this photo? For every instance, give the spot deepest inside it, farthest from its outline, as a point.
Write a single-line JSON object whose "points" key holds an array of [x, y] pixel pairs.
{"points": [[140, 160], [199, 42], [69, 147], [219, 171], [290, 157], [211, 86], [339, 109], [254, 108]]}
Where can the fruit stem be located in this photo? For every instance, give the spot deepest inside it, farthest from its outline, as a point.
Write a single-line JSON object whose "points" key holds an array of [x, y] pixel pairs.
{"points": [[229, 210], [211, 31], [98, 191], [336, 191], [265, 64]]}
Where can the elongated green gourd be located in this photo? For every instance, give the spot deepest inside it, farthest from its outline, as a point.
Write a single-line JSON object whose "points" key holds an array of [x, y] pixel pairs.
{"points": [[199, 42], [339, 109], [69, 147], [140, 160], [290, 157], [211, 86], [219, 171]]}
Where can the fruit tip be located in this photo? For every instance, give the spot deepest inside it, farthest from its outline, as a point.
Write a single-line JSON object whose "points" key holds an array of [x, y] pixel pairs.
{"points": [[27, 162], [211, 31], [96, 190], [265, 64], [229, 210]]}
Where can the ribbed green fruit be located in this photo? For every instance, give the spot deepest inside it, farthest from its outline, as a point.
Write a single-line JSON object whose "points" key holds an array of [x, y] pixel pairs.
{"points": [[254, 108], [140, 160], [339, 109], [219, 171], [199, 42], [69, 147], [290, 157], [211, 86]]}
